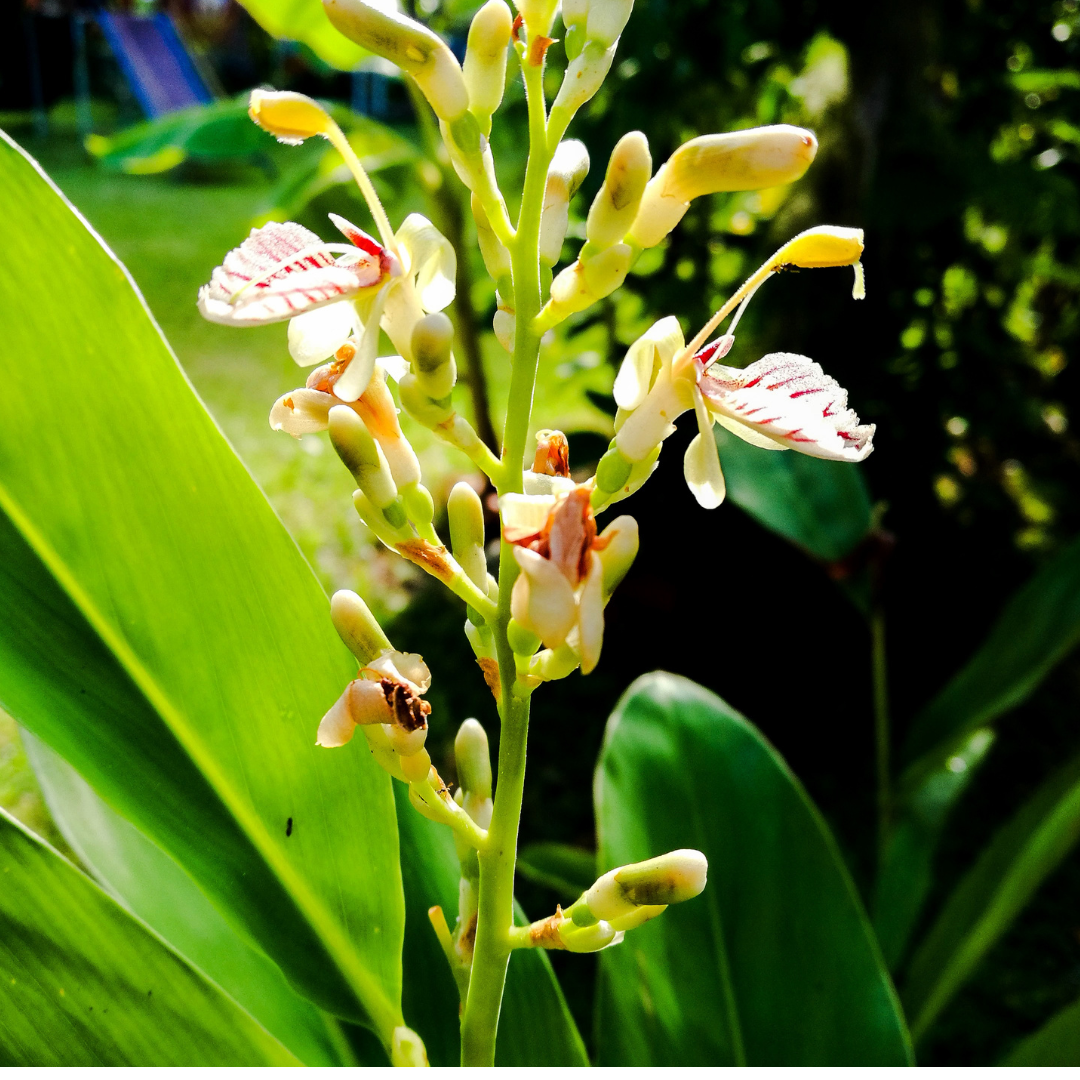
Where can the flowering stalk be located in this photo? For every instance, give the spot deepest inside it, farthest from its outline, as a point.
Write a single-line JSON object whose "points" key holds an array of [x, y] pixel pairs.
{"points": [[543, 617]]}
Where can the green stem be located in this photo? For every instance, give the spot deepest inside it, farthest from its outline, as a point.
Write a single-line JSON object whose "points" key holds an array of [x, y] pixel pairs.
{"points": [[881, 726], [495, 914]]}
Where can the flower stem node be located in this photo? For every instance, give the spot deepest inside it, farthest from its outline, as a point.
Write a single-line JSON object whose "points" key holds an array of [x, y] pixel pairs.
{"points": [[485, 60], [289, 117], [433, 365], [407, 1049], [357, 627], [473, 758], [667, 879], [409, 44], [616, 204], [363, 457]]}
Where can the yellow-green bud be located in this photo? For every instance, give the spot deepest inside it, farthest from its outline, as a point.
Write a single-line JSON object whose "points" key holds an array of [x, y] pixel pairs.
{"points": [[616, 204], [357, 627], [407, 1048], [495, 255], [409, 44], [824, 245], [434, 367], [538, 14], [568, 169], [523, 642], [619, 554], [613, 470], [586, 939], [667, 879], [575, 14], [362, 456], [734, 161], [585, 75], [466, 516], [473, 759], [583, 283], [485, 60], [419, 505], [420, 406], [607, 19], [289, 117]]}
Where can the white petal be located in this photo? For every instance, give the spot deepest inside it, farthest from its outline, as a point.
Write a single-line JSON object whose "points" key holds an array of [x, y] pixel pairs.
{"points": [[542, 599], [316, 335], [394, 367], [279, 271], [701, 466], [337, 726], [591, 615], [431, 259], [524, 515], [790, 399], [354, 380], [747, 433], [658, 344], [409, 667], [542, 484], [302, 412], [367, 702]]}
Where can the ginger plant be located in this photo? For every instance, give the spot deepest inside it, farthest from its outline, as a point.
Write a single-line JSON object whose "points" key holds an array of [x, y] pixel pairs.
{"points": [[542, 617]]}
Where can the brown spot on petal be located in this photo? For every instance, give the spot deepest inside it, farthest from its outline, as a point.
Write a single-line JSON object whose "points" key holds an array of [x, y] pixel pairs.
{"points": [[426, 555], [545, 934], [289, 403], [490, 668], [410, 711], [538, 49]]}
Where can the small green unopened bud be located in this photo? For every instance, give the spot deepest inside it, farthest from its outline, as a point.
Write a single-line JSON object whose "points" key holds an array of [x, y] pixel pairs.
{"points": [[607, 19], [585, 75], [395, 513], [620, 551], [575, 14], [496, 257], [409, 44], [434, 367], [466, 516], [586, 939], [667, 879], [616, 204], [568, 169], [419, 505], [473, 758], [523, 642], [538, 14], [420, 406], [485, 60], [613, 470], [407, 1048], [357, 627], [362, 456]]}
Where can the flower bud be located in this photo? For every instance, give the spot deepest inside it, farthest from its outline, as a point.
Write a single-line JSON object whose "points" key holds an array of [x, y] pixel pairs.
{"points": [[538, 14], [734, 161], [495, 255], [552, 457], [584, 282], [638, 916], [824, 245], [585, 75], [575, 14], [569, 167], [485, 60], [473, 759], [586, 939], [420, 406], [621, 538], [362, 456], [357, 627], [504, 326], [667, 879], [289, 117], [466, 516], [407, 1048], [616, 204], [433, 366], [409, 44], [607, 19]]}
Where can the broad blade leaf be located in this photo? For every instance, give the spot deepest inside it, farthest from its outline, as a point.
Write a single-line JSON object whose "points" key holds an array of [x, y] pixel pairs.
{"points": [[159, 629], [775, 963], [152, 887], [306, 22], [1056, 1043], [84, 983], [820, 506], [566, 869], [993, 892], [1038, 628], [535, 1026]]}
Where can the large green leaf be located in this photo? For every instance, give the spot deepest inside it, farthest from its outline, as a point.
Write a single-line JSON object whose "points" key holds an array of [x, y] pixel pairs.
{"points": [[151, 886], [775, 963], [306, 22], [992, 893], [566, 869], [84, 983], [535, 1026], [160, 630], [820, 506], [1039, 627], [1056, 1043]]}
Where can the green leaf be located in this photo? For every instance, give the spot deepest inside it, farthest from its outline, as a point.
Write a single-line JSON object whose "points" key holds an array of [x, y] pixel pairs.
{"points": [[906, 874], [1039, 627], [535, 1025], [306, 22], [1056, 1043], [821, 506], [160, 630], [566, 869], [775, 963], [991, 895], [154, 889], [1039, 82], [83, 983]]}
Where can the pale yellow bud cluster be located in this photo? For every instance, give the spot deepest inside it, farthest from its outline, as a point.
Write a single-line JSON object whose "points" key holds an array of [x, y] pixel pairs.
{"points": [[485, 60], [735, 161], [566, 173], [409, 44], [616, 204], [289, 117]]}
